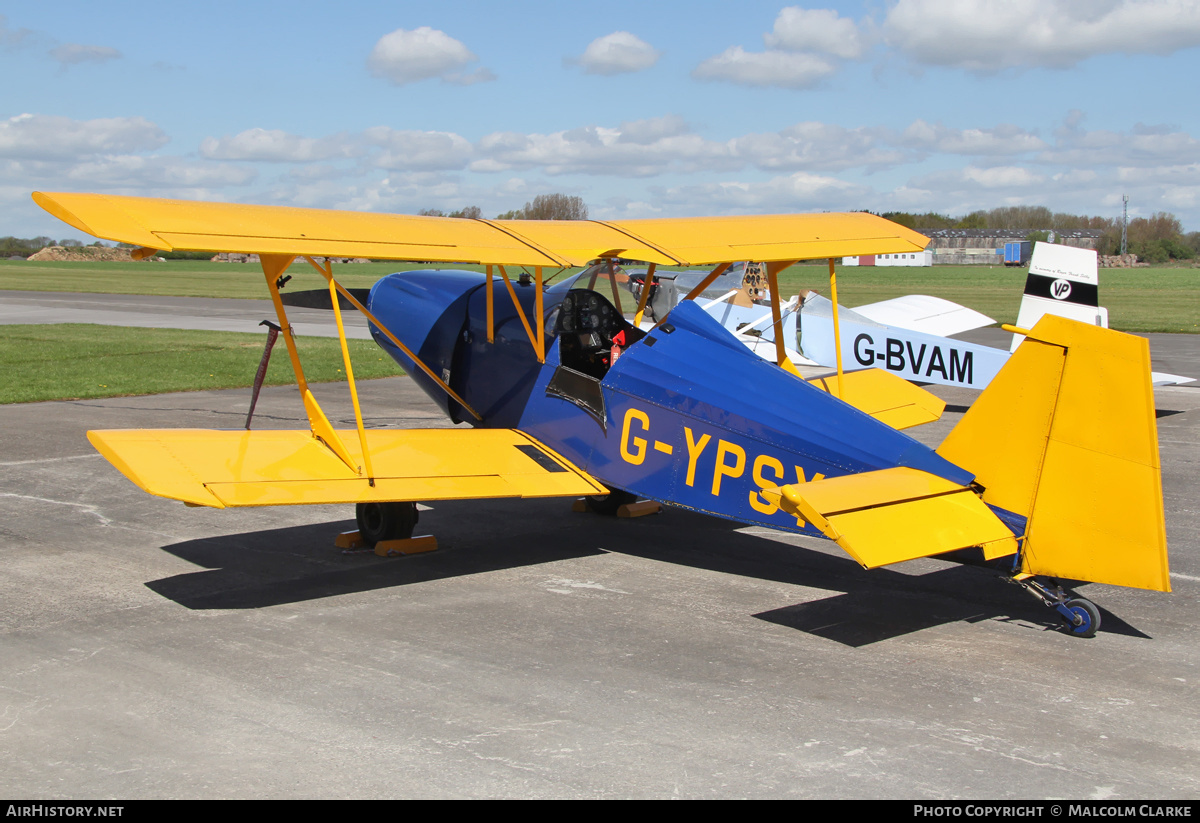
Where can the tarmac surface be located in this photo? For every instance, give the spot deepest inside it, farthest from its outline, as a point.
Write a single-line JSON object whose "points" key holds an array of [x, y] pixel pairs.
{"points": [[146, 311], [151, 650]]}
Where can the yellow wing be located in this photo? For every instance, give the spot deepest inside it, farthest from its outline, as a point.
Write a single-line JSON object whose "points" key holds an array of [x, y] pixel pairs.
{"points": [[273, 468], [182, 224]]}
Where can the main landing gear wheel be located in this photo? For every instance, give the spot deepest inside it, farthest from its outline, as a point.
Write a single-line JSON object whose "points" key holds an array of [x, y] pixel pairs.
{"points": [[607, 504], [1084, 620], [385, 521]]}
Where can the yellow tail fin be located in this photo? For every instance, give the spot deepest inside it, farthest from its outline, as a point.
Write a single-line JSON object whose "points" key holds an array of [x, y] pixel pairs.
{"points": [[1065, 435]]}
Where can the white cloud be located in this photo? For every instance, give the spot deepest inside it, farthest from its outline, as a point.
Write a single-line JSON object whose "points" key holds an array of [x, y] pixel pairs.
{"points": [[275, 146], [73, 53], [806, 166], [418, 150], [1002, 140], [11, 38], [618, 53], [651, 130], [623, 208], [796, 192], [1181, 197], [975, 177], [409, 56], [49, 137], [819, 146], [1075, 191], [480, 75], [404, 193], [377, 146], [791, 70], [1002, 177], [333, 194], [1142, 146], [161, 172], [990, 35], [815, 30], [653, 147], [802, 50], [322, 171]]}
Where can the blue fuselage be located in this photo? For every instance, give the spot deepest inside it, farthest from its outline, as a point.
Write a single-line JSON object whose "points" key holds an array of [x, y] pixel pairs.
{"points": [[687, 415]]}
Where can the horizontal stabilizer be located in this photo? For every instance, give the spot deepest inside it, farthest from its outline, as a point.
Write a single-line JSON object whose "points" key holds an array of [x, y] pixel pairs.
{"points": [[926, 314], [270, 468], [892, 515], [884, 396], [1164, 379]]}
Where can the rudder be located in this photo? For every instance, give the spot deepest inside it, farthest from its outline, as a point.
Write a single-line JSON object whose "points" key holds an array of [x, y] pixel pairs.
{"points": [[1066, 436]]}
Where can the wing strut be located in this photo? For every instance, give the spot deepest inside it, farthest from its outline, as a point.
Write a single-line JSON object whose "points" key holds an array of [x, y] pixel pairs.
{"points": [[273, 266], [612, 282], [837, 333], [645, 296], [538, 343], [327, 271], [375, 321], [773, 269], [533, 341], [490, 308], [541, 315]]}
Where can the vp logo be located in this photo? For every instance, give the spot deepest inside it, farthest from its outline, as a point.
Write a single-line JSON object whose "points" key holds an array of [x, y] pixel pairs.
{"points": [[1060, 289]]}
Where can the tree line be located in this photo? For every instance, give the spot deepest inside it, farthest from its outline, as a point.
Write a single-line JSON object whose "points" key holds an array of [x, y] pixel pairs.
{"points": [[542, 207], [1154, 239], [23, 247]]}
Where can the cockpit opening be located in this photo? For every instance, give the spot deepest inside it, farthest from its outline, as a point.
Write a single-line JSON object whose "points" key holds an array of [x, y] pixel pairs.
{"points": [[592, 333]]}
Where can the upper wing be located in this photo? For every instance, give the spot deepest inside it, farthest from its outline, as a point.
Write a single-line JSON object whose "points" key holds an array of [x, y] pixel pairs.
{"points": [[182, 224], [270, 468]]}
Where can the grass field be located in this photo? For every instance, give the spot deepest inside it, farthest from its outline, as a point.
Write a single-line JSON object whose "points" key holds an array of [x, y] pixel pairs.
{"points": [[74, 361], [1156, 299]]}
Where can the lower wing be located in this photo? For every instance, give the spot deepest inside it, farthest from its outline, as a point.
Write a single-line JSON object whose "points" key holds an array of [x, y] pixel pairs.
{"points": [[270, 468]]}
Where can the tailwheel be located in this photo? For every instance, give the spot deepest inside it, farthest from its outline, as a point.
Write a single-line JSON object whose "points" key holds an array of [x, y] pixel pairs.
{"points": [[385, 521], [1080, 614], [1082, 617], [607, 504]]}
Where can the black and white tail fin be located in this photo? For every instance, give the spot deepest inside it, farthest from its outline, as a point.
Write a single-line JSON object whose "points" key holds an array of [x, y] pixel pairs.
{"points": [[1064, 281]]}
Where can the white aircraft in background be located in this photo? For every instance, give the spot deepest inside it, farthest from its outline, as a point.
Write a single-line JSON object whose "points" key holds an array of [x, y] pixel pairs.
{"points": [[909, 336]]}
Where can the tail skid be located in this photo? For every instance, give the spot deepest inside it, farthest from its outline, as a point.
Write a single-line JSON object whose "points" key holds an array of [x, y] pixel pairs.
{"points": [[1065, 435]]}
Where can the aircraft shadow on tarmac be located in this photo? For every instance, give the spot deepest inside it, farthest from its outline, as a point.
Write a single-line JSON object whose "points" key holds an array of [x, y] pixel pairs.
{"points": [[287, 565]]}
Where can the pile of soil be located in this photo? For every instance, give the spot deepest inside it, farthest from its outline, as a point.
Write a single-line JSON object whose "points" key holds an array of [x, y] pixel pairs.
{"points": [[82, 253]]}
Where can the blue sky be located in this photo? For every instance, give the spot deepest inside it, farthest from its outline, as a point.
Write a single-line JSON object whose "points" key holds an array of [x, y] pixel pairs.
{"points": [[643, 109]]}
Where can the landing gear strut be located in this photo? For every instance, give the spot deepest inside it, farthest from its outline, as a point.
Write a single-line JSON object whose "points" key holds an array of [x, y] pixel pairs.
{"points": [[1081, 615], [607, 504]]}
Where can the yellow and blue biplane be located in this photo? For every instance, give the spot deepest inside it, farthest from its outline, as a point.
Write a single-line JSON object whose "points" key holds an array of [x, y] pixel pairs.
{"points": [[1052, 473]]}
